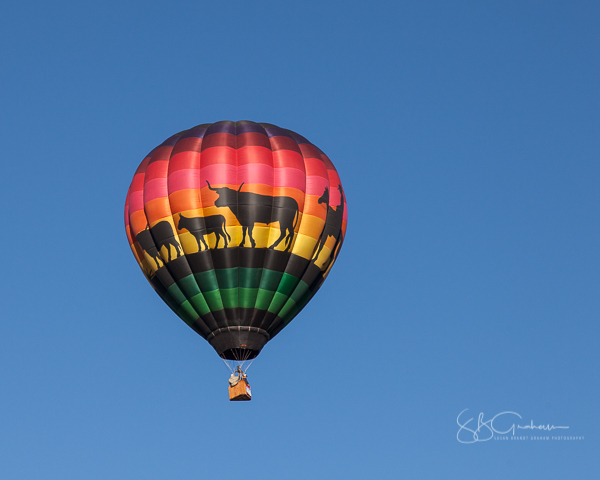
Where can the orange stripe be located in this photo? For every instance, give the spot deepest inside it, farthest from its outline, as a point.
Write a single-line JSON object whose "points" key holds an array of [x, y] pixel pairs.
{"points": [[312, 207], [183, 200], [157, 209], [138, 221]]}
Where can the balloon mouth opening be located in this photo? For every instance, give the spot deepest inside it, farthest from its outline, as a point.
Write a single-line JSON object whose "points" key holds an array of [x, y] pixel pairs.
{"points": [[239, 354], [239, 342]]}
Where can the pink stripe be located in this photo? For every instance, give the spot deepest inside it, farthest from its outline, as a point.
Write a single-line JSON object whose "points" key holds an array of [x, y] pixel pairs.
{"points": [[255, 173], [218, 175], [334, 196], [183, 180], [316, 185], [154, 189], [289, 177], [157, 170], [136, 201]]}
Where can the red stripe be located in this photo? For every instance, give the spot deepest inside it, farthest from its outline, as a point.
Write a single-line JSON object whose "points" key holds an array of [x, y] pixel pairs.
{"points": [[183, 161], [334, 180], [127, 209], [218, 156], [156, 170], [138, 182], [254, 155], [315, 167], [288, 158]]}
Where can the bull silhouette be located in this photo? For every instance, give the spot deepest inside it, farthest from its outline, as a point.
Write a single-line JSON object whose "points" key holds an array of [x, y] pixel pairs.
{"points": [[333, 227], [153, 239], [199, 226], [250, 208]]}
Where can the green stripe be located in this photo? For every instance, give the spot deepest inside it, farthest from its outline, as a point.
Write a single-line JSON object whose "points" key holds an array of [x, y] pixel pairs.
{"points": [[199, 303], [278, 301], [250, 277], [207, 281], [263, 299], [287, 284], [214, 300], [300, 290], [270, 280], [247, 297], [286, 308], [187, 313], [229, 297], [188, 286], [297, 308], [176, 293], [227, 277]]}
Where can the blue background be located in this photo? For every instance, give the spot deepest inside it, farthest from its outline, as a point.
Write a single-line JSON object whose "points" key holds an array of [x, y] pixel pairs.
{"points": [[466, 135]]}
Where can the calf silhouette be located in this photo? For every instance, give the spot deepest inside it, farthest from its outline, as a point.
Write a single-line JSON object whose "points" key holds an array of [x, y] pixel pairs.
{"points": [[200, 226], [153, 239], [333, 225], [250, 208]]}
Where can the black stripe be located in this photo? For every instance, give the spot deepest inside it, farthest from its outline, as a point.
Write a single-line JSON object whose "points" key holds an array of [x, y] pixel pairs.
{"points": [[225, 257], [296, 266], [252, 257], [179, 268], [200, 261], [276, 260]]}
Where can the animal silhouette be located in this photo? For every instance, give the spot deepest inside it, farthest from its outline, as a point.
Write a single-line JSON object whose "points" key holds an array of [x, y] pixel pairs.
{"points": [[153, 239], [200, 226], [250, 208], [333, 225]]}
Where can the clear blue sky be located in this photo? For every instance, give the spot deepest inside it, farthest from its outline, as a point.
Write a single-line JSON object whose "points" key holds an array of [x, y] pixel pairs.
{"points": [[466, 135]]}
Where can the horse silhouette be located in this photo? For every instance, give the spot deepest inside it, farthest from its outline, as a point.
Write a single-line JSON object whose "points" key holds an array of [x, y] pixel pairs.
{"points": [[250, 208], [333, 225]]}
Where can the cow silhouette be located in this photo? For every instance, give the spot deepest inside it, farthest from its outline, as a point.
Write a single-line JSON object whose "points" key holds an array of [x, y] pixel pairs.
{"points": [[153, 239], [250, 208], [333, 225], [200, 226]]}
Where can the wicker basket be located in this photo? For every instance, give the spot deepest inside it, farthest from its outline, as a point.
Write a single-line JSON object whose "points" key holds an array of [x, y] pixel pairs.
{"points": [[240, 392]]}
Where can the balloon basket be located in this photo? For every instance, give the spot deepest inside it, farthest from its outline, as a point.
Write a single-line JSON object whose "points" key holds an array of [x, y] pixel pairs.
{"points": [[240, 392]]}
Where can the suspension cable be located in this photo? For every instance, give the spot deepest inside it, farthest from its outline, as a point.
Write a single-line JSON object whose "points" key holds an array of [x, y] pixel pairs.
{"points": [[250, 364], [226, 364]]}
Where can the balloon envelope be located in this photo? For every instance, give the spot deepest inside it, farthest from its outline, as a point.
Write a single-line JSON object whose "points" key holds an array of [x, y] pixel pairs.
{"points": [[236, 225]]}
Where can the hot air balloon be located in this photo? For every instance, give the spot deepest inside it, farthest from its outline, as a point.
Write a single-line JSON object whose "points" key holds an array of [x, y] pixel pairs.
{"points": [[236, 225]]}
